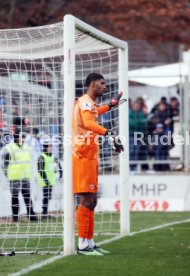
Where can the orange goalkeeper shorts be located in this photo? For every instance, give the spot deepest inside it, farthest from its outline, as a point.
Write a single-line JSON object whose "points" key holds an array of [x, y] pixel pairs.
{"points": [[85, 175]]}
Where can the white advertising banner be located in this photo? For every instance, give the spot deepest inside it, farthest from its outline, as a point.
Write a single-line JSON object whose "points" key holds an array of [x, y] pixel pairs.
{"points": [[147, 193]]}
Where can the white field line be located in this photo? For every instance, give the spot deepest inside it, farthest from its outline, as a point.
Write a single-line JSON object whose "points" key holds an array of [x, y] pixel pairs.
{"points": [[36, 266], [55, 258], [145, 230]]}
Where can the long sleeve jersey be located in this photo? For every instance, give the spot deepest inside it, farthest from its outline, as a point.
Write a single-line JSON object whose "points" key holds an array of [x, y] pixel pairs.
{"points": [[86, 127]]}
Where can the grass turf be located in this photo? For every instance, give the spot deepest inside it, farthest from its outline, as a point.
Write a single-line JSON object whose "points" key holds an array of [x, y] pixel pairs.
{"points": [[160, 252]]}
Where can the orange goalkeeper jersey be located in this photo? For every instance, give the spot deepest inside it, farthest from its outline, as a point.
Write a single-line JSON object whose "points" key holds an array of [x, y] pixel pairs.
{"points": [[86, 128]]}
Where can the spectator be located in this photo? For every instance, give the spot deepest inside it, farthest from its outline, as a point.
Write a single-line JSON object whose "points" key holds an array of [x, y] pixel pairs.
{"points": [[160, 150], [152, 121], [174, 103], [47, 175], [17, 121], [163, 116], [26, 124], [16, 112], [151, 125], [174, 114], [164, 101], [17, 167], [22, 123], [137, 122], [143, 105]]}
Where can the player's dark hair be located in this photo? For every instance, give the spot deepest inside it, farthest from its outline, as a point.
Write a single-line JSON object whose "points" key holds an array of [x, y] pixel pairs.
{"points": [[93, 77], [163, 99], [173, 99]]}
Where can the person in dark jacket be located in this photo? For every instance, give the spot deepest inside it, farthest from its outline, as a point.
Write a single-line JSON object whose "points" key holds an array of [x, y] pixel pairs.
{"points": [[160, 149], [137, 123]]}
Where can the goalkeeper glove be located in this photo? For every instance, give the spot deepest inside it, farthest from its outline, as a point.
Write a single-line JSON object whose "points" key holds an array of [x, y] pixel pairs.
{"points": [[115, 142], [115, 101]]}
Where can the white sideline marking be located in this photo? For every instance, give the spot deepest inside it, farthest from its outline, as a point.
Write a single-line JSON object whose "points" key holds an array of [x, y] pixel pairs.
{"points": [[55, 258], [35, 266], [145, 230]]}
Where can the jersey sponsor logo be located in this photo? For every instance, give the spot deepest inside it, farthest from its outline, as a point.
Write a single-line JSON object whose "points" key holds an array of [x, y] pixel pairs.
{"points": [[87, 106], [91, 186]]}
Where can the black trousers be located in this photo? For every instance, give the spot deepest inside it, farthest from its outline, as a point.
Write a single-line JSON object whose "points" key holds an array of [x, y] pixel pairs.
{"points": [[47, 194], [22, 186]]}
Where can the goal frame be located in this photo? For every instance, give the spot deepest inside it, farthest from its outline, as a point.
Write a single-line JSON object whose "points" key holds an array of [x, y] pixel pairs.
{"points": [[72, 23]]}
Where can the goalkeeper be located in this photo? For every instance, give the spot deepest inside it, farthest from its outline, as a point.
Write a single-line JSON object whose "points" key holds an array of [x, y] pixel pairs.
{"points": [[85, 159]]}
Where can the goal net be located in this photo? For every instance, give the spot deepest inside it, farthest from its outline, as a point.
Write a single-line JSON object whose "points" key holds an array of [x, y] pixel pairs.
{"points": [[42, 72]]}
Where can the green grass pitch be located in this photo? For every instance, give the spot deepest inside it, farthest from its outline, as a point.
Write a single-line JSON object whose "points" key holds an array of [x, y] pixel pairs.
{"points": [[164, 252]]}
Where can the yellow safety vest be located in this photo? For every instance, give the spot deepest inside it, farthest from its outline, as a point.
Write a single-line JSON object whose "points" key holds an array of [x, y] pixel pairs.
{"points": [[49, 168], [20, 162]]}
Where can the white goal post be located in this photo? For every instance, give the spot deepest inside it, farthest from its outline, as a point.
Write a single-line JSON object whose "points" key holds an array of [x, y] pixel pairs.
{"points": [[42, 72], [70, 25]]}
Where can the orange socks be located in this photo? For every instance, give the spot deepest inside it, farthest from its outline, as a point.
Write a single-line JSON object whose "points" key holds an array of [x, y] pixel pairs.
{"points": [[91, 225], [85, 221]]}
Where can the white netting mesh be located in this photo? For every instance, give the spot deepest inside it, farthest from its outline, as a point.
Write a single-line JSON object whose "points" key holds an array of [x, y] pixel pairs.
{"points": [[43, 42], [31, 98]]}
